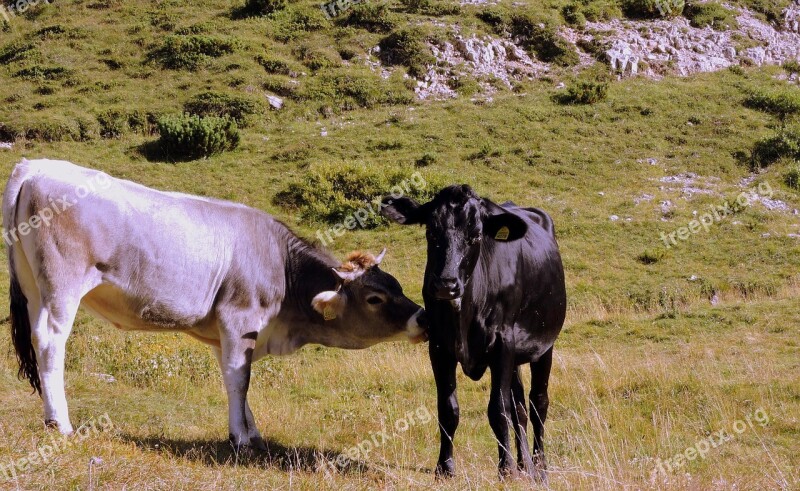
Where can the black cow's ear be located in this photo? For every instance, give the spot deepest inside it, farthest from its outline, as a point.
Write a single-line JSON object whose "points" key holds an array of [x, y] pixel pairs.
{"points": [[501, 225], [404, 211]]}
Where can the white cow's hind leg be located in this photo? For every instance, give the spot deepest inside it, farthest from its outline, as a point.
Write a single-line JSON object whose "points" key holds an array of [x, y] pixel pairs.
{"points": [[50, 327]]}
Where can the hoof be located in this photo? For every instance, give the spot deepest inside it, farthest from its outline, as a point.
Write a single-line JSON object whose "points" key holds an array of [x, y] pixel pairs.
{"points": [[64, 429], [446, 469], [258, 443]]}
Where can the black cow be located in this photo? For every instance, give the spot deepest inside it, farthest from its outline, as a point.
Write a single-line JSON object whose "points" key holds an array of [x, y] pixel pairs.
{"points": [[495, 297]]}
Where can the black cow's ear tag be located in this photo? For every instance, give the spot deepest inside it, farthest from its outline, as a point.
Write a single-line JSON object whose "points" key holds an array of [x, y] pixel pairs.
{"points": [[502, 234], [328, 313]]}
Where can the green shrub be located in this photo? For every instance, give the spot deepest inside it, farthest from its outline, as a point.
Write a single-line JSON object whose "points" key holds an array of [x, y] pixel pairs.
{"points": [[407, 47], [767, 151], [791, 66], [430, 7], [792, 177], [58, 31], [112, 123], [542, 39], [278, 66], [710, 14], [294, 23], [238, 108], [465, 85], [652, 9], [584, 92], [372, 17], [348, 89], [331, 193], [601, 10], [191, 52], [16, 51], [53, 130], [573, 15], [426, 160], [37, 72], [783, 103], [317, 58], [263, 7], [578, 12], [189, 136], [772, 10]]}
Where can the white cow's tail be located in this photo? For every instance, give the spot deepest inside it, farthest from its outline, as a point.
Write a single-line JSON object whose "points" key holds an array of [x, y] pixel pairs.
{"points": [[20, 321]]}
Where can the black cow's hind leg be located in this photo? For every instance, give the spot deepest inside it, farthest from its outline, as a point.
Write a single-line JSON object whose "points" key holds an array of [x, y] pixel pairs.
{"points": [[540, 376], [520, 419]]}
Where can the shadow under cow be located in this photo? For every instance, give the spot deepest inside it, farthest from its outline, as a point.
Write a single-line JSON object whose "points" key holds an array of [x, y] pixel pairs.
{"points": [[277, 456]]}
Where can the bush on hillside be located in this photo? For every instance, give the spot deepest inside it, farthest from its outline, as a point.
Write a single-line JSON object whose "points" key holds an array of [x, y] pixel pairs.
{"points": [[263, 7], [772, 10], [584, 92], [536, 35], [190, 137], [407, 47], [372, 17], [431, 7], [782, 103], [578, 12], [710, 14], [347, 90], [331, 193], [297, 22], [191, 52], [792, 177], [112, 123], [769, 150], [652, 9], [238, 108]]}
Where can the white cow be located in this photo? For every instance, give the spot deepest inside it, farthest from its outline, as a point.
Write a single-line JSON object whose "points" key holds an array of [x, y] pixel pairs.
{"points": [[230, 276]]}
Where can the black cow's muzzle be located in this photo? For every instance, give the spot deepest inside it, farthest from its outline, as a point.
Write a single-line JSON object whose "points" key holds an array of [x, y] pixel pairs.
{"points": [[448, 288]]}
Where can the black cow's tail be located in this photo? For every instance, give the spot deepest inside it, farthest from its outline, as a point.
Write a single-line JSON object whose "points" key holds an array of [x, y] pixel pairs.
{"points": [[20, 320]]}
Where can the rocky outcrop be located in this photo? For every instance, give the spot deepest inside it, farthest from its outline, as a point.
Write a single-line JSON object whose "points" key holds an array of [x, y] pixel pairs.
{"points": [[485, 58], [651, 48], [660, 47]]}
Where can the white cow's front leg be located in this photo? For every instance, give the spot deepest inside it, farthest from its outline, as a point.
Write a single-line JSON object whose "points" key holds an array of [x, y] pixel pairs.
{"points": [[241, 424]]}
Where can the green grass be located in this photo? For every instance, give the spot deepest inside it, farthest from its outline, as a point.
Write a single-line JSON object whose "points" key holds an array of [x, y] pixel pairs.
{"points": [[646, 366]]}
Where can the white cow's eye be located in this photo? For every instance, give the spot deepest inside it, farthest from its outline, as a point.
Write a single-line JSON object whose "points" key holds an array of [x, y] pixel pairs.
{"points": [[374, 299]]}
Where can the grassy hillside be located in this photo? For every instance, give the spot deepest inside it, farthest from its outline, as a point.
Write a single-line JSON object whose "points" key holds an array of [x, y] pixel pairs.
{"points": [[663, 346]]}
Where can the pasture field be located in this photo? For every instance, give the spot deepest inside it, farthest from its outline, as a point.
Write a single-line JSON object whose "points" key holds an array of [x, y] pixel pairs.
{"points": [[663, 348]]}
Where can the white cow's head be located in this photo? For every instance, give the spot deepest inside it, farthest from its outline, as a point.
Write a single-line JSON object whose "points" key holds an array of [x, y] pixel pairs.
{"points": [[368, 305]]}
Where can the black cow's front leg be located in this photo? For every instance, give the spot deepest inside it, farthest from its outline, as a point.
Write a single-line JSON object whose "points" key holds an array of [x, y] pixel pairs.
{"points": [[540, 376], [444, 372], [501, 407]]}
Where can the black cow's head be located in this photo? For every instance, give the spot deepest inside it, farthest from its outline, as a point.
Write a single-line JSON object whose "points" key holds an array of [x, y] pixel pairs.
{"points": [[458, 224]]}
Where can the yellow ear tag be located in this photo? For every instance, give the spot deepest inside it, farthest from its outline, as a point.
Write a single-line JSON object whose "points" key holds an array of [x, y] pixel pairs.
{"points": [[328, 313], [502, 234]]}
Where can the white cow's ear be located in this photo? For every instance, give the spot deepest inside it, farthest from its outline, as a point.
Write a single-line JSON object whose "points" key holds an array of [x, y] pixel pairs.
{"points": [[330, 304]]}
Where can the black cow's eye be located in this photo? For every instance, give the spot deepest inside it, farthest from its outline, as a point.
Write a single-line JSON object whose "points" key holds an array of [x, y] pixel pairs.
{"points": [[475, 240], [374, 300]]}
